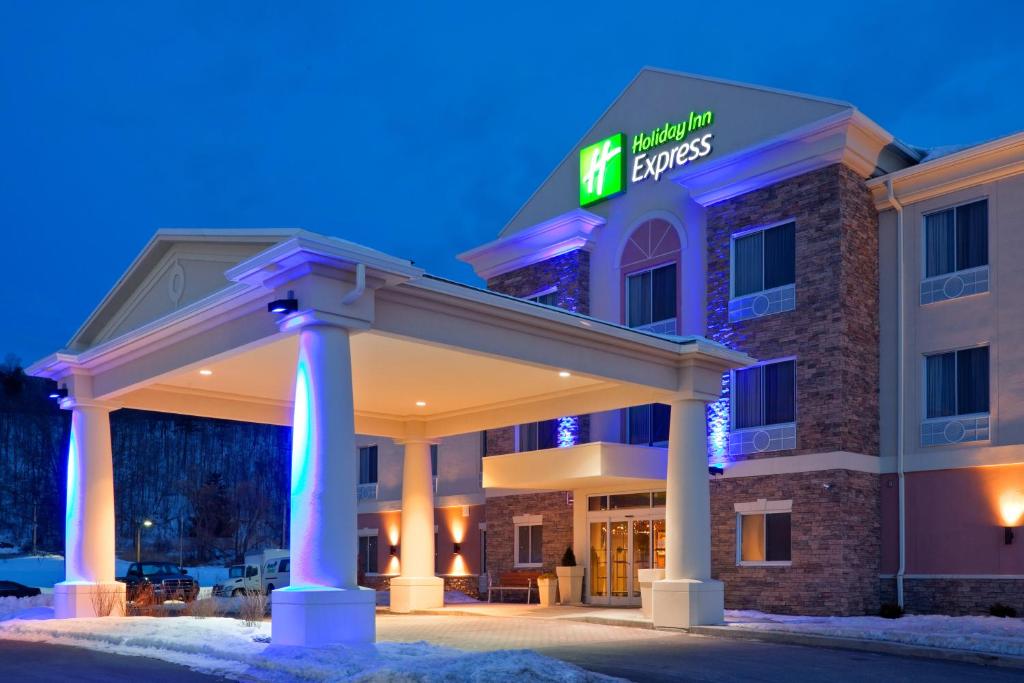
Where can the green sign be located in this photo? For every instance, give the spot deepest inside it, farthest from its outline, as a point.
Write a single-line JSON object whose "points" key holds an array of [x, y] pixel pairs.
{"points": [[603, 164], [602, 169]]}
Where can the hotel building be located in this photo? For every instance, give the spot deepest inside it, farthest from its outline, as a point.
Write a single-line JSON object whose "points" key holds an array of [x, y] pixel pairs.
{"points": [[743, 335], [876, 448]]}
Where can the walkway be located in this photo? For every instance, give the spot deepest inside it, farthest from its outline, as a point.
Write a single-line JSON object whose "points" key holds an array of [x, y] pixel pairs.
{"points": [[641, 654]]}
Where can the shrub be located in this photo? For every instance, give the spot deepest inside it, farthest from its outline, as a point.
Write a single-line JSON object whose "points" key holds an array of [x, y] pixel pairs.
{"points": [[254, 607], [998, 609], [207, 607], [569, 558], [108, 602], [890, 610]]}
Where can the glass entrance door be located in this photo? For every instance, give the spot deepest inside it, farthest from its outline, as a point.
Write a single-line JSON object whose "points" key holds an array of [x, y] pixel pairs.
{"points": [[619, 548]]}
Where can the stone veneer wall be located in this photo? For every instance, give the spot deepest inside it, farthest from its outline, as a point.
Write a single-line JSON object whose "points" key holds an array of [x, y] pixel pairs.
{"points": [[501, 543], [569, 273], [833, 332], [835, 544], [955, 596]]}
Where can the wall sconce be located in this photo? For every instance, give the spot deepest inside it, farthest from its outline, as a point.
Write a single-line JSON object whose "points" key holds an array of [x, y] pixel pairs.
{"points": [[59, 393], [716, 470], [1007, 535], [393, 550], [287, 305], [457, 548]]}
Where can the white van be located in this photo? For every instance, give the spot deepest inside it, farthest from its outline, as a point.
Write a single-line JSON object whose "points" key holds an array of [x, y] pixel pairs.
{"points": [[251, 577], [276, 573]]}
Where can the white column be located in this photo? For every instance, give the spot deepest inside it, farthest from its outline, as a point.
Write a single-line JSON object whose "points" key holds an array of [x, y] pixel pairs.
{"points": [[323, 604], [417, 588], [89, 588], [687, 596]]}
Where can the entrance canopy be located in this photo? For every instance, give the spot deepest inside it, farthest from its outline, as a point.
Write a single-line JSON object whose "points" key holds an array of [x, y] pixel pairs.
{"points": [[187, 330]]}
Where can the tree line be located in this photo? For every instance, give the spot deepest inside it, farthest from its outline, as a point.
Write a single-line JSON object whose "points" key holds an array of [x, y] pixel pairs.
{"points": [[213, 489]]}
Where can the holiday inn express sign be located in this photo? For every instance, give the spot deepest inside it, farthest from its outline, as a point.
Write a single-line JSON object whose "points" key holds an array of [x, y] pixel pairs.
{"points": [[603, 163]]}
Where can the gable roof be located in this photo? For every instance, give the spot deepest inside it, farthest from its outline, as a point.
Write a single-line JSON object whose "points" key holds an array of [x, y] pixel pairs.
{"points": [[655, 96]]}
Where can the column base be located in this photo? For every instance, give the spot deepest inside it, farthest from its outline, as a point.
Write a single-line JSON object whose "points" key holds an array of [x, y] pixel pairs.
{"points": [[313, 616], [80, 599], [682, 603], [412, 593]]}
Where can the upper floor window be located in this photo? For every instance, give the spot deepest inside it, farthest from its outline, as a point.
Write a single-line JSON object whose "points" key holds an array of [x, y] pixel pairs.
{"points": [[536, 436], [651, 296], [764, 395], [648, 425], [764, 259], [956, 239], [433, 459], [957, 383], [548, 298], [368, 465]]}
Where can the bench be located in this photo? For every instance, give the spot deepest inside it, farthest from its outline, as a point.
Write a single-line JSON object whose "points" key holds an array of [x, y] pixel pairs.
{"points": [[513, 581]]}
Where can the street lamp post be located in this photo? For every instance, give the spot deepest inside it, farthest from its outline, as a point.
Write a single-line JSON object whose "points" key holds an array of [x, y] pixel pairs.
{"points": [[138, 538]]}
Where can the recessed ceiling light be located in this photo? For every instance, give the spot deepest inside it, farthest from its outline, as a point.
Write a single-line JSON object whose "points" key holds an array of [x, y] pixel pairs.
{"points": [[421, 404], [205, 373], [565, 373]]}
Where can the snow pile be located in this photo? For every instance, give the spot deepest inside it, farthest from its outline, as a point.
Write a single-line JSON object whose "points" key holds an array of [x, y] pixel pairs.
{"points": [[36, 607], [228, 647], [992, 635]]}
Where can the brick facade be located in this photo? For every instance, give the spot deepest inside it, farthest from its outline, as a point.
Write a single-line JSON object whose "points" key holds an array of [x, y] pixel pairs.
{"points": [[569, 273], [470, 585], [833, 332], [835, 544], [556, 511]]}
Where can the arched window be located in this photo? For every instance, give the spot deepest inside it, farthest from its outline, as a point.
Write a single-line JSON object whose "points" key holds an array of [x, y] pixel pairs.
{"points": [[650, 277], [650, 301]]}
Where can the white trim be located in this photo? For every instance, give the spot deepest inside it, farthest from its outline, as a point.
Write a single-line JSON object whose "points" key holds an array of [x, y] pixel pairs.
{"points": [[814, 462], [763, 506], [369, 532], [527, 520]]}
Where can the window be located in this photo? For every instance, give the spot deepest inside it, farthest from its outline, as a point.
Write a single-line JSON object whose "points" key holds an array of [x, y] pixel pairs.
{"points": [[284, 566], [537, 435], [764, 259], [483, 551], [957, 383], [956, 239], [648, 425], [764, 395], [368, 553], [368, 465], [433, 459], [764, 537], [529, 541], [549, 298], [651, 296]]}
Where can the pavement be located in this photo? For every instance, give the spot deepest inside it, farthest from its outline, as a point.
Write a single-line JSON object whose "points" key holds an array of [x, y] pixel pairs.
{"points": [[45, 663]]}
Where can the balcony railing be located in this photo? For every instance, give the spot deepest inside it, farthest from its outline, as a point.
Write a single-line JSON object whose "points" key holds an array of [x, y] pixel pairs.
{"points": [[366, 491]]}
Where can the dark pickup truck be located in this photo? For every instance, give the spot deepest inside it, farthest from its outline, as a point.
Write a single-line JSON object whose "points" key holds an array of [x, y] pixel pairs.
{"points": [[168, 581]]}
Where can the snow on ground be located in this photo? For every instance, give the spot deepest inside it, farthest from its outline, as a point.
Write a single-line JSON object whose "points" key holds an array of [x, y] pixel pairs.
{"points": [[228, 647], [992, 635], [41, 571]]}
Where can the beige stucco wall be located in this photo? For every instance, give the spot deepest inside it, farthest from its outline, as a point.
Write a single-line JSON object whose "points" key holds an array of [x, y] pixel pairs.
{"points": [[995, 318]]}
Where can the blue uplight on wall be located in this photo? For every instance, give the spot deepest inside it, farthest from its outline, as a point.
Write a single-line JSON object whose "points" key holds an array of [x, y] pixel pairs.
{"points": [[568, 431], [718, 426]]}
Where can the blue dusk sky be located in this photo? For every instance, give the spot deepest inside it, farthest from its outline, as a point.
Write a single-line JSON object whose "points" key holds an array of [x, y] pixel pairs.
{"points": [[417, 130]]}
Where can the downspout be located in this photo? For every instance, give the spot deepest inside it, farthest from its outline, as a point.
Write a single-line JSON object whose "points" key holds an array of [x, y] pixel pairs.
{"points": [[900, 473], [360, 287]]}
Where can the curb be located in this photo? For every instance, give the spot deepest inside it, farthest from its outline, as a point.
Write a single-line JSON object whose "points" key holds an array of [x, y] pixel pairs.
{"points": [[877, 646]]}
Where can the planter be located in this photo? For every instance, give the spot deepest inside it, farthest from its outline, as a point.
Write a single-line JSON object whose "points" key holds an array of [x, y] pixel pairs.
{"points": [[548, 589], [570, 584], [647, 577]]}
